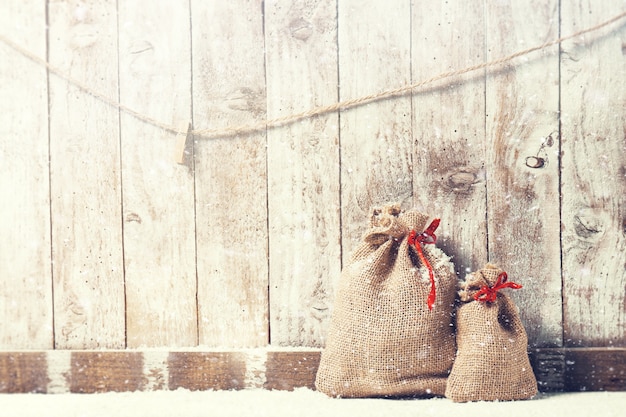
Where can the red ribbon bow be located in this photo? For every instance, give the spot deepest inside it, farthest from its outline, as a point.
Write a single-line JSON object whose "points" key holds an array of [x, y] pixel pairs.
{"points": [[489, 294], [427, 237]]}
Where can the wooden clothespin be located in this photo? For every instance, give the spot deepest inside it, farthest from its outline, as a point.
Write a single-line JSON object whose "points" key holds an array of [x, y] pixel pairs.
{"points": [[182, 142]]}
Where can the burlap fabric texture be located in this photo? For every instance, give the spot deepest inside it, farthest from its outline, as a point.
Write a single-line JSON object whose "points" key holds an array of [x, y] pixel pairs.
{"points": [[383, 340], [492, 360]]}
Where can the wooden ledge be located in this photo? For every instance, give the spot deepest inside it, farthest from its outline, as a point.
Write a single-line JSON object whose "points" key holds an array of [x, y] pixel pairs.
{"points": [[58, 371]]}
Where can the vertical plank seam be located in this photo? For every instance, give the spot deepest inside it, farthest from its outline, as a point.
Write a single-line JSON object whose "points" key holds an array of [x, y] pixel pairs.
{"points": [[412, 110], [193, 172], [339, 153], [268, 318], [560, 174], [121, 174], [47, 13], [485, 133]]}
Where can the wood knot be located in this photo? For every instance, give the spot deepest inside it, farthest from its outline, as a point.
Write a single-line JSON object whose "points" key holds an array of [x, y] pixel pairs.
{"points": [[83, 35], [535, 162], [246, 99], [462, 180], [300, 29], [139, 47], [589, 224], [133, 217]]}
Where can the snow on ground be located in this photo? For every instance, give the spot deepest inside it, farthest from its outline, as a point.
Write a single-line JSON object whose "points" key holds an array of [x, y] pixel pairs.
{"points": [[301, 403]]}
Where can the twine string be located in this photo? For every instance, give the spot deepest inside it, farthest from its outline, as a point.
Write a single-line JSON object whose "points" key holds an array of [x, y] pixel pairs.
{"points": [[317, 111]]}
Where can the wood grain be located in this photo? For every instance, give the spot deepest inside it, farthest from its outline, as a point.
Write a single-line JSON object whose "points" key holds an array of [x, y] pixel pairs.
{"points": [[93, 372], [158, 195], [376, 149], [85, 178], [26, 284], [595, 370], [593, 179], [23, 372], [211, 370], [289, 370], [231, 182], [549, 367], [449, 128], [303, 170], [523, 202]]}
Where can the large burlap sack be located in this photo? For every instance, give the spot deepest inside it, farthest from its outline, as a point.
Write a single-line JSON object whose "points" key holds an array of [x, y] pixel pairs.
{"points": [[383, 338], [492, 360]]}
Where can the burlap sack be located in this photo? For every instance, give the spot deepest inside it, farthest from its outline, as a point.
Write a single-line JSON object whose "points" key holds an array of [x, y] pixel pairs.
{"points": [[492, 360], [383, 339]]}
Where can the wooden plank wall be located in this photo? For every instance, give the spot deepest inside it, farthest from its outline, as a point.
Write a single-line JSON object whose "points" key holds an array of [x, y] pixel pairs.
{"points": [[107, 243]]}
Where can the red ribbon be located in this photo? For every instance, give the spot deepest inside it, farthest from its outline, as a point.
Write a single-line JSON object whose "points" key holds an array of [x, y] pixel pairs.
{"points": [[427, 237], [489, 294]]}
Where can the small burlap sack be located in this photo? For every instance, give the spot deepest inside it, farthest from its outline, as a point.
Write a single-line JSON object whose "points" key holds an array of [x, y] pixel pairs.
{"points": [[492, 360], [391, 330]]}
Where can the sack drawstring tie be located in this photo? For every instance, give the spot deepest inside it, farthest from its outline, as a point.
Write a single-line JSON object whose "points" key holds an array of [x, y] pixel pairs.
{"points": [[489, 294], [427, 237]]}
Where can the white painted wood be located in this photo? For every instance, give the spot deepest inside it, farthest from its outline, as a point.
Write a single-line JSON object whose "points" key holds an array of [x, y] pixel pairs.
{"points": [[381, 45], [59, 363], [449, 127], [593, 91], [303, 170], [376, 148], [231, 190], [85, 178], [522, 202], [26, 283], [155, 369], [158, 194]]}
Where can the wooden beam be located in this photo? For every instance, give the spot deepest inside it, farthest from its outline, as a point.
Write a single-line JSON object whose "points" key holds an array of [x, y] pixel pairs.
{"points": [[23, 372], [576, 369], [207, 370], [93, 372], [595, 370], [289, 370]]}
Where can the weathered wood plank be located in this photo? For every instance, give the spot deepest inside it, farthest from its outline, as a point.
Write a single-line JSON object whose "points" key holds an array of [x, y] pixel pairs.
{"points": [[289, 370], [303, 170], [593, 178], [374, 55], [231, 181], [26, 284], [93, 372], [449, 127], [549, 367], [573, 369], [158, 195], [595, 370], [211, 370], [22, 372], [523, 202], [85, 178]]}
